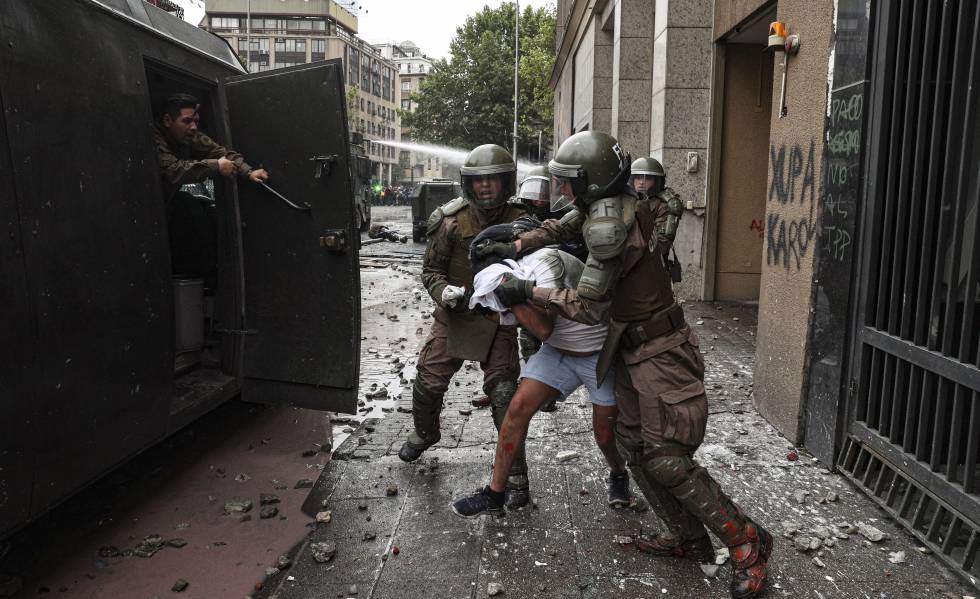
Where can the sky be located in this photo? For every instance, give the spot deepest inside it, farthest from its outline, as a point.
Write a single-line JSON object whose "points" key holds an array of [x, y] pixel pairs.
{"points": [[431, 24]]}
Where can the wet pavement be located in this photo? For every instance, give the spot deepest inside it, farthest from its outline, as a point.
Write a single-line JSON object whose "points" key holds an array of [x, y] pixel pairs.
{"points": [[389, 531], [393, 534]]}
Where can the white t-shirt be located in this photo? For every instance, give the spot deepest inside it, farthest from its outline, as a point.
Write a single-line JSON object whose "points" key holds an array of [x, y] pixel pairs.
{"points": [[550, 268]]}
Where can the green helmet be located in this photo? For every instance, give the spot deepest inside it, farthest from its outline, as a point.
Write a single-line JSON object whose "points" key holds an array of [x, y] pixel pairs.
{"points": [[488, 159], [651, 167], [596, 164], [535, 190]]}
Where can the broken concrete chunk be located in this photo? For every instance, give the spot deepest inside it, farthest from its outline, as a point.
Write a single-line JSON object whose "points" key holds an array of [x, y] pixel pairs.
{"points": [[870, 532], [800, 496], [818, 562], [392, 490], [324, 517], [238, 506], [897, 557], [304, 483], [567, 455], [283, 562], [790, 527], [494, 589], [323, 552], [180, 586], [622, 539], [176, 543], [268, 511], [369, 536], [268, 499], [107, 551], [822, 531]]}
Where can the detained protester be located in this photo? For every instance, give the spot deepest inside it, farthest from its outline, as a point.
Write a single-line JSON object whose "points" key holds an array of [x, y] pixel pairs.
{"points": [[565, 362], [186, 155], [459, 333], [659, 370]]}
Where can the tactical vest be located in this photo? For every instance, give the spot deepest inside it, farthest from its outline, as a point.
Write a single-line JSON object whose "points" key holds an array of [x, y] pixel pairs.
{"points": [[646, 288], [468, 226]]}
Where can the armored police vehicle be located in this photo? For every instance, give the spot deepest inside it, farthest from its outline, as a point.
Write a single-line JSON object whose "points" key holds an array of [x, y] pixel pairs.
{"points": [[426, 197], [106, 350], [360, 166]]}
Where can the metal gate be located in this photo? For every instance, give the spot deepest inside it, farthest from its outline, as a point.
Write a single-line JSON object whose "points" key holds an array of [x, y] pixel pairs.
{"points": [[913, 432]]}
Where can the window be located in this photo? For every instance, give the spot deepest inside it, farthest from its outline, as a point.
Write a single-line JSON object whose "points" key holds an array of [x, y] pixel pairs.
{"points": [[406, 86], [318, 47], [406, 104], [224, 23]]}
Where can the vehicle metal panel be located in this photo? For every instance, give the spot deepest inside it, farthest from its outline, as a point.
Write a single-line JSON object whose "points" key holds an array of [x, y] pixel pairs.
{"points": [[17, 352], [302, 283], [94, 240]]}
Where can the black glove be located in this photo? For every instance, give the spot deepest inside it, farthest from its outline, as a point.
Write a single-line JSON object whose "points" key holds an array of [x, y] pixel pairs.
{"points": [[497, 249], [513, 291], [462, 304]]}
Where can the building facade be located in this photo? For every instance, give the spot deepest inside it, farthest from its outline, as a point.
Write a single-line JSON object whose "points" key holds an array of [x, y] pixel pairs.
{"points": [[283, 33], [413, 67], [832, 178]]}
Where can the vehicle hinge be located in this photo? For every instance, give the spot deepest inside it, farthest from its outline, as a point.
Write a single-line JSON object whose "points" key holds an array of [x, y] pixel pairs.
{"points": [[335, 240], [242, 332], [321, 164]]}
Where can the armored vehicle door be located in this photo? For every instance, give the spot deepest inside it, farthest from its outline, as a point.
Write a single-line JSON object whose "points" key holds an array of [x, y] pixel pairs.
{"points": [[301, 323]]}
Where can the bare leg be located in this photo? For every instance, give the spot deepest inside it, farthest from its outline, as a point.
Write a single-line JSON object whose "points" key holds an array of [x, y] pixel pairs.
{"points": [[530, 396], [603, 426]]}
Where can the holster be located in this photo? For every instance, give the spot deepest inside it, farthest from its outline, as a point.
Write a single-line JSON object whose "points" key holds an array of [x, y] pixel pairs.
{"points": [[609, 348], [470, 336]]}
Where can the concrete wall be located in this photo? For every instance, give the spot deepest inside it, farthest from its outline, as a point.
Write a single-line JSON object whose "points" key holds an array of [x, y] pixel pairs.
{"points": [[632, 72], [679, 119], [792, 207]]}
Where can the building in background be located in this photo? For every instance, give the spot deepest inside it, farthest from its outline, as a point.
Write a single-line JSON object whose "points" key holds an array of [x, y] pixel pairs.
{"points": [[283, 33], [413, 67]]}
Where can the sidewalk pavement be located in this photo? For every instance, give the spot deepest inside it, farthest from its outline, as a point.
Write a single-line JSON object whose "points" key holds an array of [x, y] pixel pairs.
{"points": [[395, 536]]}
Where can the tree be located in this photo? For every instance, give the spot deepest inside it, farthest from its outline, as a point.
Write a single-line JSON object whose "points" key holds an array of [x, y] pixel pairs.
{"points": [[469, 99]]}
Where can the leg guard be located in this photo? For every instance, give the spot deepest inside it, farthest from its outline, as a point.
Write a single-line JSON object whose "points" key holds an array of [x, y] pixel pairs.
{"points": [[426, 407], [701, 495], [680, 524]]}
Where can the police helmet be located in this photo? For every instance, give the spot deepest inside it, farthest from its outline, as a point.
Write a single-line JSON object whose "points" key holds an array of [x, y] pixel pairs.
{"points": [[593, 163], [488, 160]]}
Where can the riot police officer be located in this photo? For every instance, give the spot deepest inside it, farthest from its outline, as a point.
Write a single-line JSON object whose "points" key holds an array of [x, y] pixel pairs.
{"points": [[535, 192], [659, 371], [648, 177], [458, 333]]}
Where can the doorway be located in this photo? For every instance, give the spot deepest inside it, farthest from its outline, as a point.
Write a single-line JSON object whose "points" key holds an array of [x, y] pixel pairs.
{"points": [[745, 112]]}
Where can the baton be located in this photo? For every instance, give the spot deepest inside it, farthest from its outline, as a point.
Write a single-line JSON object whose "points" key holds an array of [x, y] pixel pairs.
{"points": [[306, 208]]}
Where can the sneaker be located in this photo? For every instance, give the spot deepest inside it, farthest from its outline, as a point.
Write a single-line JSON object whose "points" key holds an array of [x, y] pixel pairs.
{"points": [[697, 550], [479, 504], [619, 489], [749, 575]]}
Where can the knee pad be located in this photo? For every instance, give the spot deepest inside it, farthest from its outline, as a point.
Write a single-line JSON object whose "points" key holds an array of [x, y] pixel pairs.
{"points": [[671, 471]]}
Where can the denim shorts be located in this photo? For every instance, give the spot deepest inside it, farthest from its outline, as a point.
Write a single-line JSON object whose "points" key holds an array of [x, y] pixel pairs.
{"points": [[567, 373]]}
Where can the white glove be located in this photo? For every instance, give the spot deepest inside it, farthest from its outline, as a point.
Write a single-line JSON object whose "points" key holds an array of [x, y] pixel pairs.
{"points": [[452, 294]]}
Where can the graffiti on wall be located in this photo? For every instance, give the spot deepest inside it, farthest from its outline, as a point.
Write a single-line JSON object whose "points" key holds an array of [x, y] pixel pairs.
{"points": [[790, 229], [841, 172]]}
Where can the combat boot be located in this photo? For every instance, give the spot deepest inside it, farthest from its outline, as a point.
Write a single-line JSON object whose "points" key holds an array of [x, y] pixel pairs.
{"points": [[750, 563], [426, 407], [664, 545]]}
